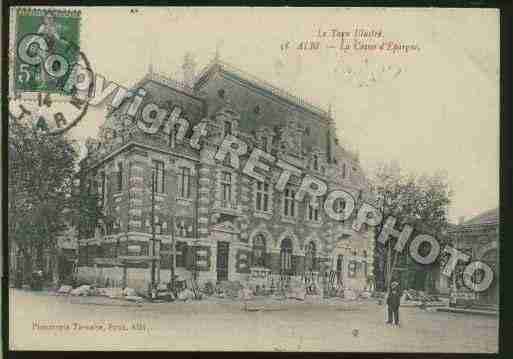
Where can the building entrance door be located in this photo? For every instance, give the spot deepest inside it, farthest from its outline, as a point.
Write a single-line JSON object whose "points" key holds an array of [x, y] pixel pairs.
{"points": [[222, 260]]}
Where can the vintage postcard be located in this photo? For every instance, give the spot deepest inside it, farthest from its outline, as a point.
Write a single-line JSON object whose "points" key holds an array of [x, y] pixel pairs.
{"points": [[253, 179]]}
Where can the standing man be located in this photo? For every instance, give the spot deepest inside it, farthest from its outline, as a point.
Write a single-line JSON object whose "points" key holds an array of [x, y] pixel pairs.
{"points": [[393, 303]]}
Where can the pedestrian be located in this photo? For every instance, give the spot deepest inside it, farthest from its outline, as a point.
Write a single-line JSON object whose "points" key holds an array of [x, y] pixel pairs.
{"points": [[393, 303], [245, 294]]}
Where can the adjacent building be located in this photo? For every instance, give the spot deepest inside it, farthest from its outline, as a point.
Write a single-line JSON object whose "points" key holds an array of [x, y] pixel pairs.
{"points": [[479, 238], [227, 226]]}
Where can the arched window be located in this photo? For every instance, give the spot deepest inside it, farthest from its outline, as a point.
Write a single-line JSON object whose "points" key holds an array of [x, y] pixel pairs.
{"points": [[286, 255], [310, 257], [259, 251]]}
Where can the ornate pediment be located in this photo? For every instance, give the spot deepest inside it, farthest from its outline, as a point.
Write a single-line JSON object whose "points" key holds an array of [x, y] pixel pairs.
{"points": [[291, 137]]}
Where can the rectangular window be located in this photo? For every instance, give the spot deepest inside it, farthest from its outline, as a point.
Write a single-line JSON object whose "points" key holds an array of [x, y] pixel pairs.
{"points": [[313, 211], [184, 182], [158, 176], [289, 205], [262, 196], [227, 186], [119, 184]]}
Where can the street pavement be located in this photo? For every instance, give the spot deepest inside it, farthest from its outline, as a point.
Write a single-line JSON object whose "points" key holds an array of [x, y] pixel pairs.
{"points": [[42, 321]]}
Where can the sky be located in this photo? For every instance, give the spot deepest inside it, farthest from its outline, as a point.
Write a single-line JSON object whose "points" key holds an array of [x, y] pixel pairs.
{"points": [[433, 108]]}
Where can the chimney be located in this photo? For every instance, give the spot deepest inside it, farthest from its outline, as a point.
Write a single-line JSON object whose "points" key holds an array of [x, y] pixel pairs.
{"points": [[461, 220], [189, 69]]}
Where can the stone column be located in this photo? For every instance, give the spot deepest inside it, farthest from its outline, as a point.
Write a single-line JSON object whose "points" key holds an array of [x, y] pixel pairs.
{"points": [[204, 189], [136, 193], [245, 198]]}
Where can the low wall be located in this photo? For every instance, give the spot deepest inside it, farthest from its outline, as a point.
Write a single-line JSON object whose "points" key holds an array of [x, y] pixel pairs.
{"points": [[140, 278]]}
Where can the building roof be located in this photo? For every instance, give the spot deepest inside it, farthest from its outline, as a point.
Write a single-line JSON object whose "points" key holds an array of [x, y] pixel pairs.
{"points": [[218, 65], [489, 217]]}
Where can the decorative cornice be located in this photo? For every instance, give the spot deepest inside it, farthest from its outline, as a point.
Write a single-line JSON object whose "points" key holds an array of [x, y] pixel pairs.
{"points": [[134, 144], [172, 83]]}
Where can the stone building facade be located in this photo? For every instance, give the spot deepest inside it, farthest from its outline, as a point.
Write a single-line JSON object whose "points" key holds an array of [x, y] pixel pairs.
{"points": [[227, 225]]}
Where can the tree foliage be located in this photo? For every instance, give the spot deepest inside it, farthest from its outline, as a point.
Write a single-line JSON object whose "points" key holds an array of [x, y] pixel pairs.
{"points": [[421, 201], [40, 179]]}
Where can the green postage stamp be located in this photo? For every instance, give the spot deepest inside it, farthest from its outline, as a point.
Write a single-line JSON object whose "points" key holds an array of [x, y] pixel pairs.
{"points": [[46, 42]]}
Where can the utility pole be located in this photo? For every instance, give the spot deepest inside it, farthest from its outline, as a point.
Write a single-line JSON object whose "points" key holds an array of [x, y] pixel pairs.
{"points": [[153, 175], [173, 254], [390, 262], [389, 265]]}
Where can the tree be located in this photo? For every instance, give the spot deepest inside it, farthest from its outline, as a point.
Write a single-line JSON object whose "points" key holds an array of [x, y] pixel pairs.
{"points": [[420, 201], [86, 210], [40, 177]]}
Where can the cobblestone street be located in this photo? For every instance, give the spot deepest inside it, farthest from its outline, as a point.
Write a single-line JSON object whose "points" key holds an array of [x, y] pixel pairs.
{"points": [[40, 320]]}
